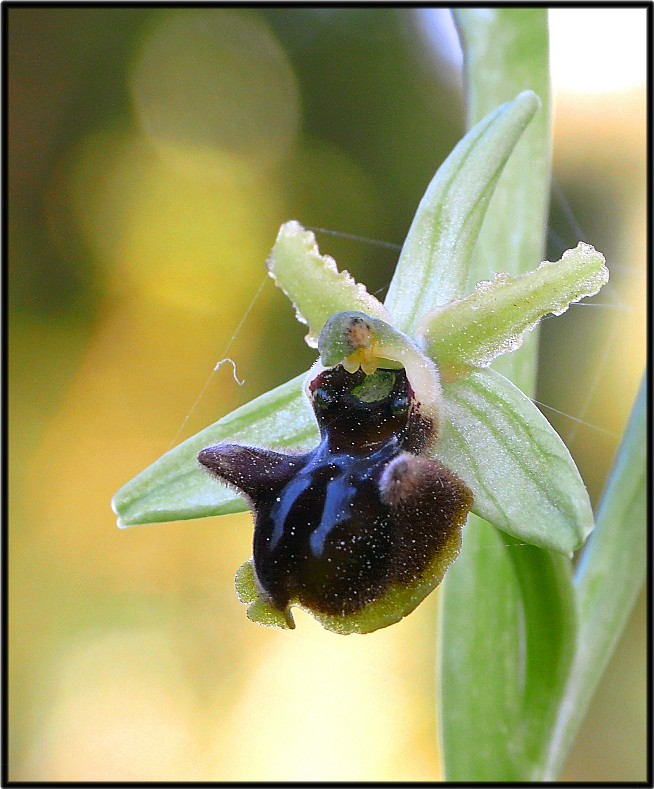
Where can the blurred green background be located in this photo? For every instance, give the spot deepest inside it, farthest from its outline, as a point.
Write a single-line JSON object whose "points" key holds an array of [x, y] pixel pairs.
{"points": [[153, 154]]}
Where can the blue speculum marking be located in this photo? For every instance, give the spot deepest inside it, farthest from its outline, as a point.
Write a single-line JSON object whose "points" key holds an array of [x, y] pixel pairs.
{"points": [[284, 504]]}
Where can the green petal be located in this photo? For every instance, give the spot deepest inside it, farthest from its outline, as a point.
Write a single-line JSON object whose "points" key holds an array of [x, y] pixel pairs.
{"points": [[176, 487], [504, 648], [521, 473], [313, 282], [494, 318], [432, 269]]}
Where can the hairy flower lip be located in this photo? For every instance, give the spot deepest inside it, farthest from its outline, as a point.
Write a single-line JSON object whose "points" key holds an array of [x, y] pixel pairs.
{"points": [[364, 515]]}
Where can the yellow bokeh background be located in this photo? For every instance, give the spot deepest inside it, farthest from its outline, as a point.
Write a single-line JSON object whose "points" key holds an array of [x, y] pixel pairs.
{"points": [[153, 154]]}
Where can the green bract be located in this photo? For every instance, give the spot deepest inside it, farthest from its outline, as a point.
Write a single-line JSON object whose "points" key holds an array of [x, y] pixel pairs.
{"points": [[491, 435]]}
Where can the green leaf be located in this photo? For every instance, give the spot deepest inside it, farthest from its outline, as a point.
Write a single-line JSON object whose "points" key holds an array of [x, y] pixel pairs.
{"points": [[609, 577], [432, 269], [472, 331], [313, 282], [506, 638], [176, 487], [523, 478]]}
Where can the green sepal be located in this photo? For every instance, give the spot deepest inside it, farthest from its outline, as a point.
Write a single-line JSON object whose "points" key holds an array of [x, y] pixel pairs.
{"points": [[176, 487], [433, 266]]}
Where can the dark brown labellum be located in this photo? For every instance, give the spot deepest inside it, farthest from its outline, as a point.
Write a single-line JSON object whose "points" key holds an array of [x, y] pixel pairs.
{"points": [[338, 527]]}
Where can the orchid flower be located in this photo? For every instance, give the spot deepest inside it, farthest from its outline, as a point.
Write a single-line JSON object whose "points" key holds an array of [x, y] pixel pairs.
{"points": [[401, 420]]}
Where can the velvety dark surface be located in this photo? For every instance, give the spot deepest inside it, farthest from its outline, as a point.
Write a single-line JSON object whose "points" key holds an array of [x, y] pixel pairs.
{"points": [[336, 527]]}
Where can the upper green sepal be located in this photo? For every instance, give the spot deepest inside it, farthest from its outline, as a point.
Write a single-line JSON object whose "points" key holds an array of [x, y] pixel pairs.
{"points": [[433, 266]]}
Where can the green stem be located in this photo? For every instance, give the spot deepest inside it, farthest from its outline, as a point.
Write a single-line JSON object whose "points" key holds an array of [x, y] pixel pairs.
{"points": [[609, 577], [497, 651]]}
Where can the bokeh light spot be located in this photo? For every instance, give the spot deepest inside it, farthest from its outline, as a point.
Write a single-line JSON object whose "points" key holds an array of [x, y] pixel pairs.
{"points": [[216, 80], [598, 50], [126, 725], [179, 240]]}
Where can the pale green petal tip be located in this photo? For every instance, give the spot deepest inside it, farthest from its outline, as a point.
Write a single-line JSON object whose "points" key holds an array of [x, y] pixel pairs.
{"points": [[313, 283], [584, 258], [473, 331]]}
